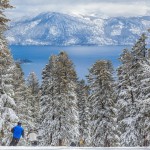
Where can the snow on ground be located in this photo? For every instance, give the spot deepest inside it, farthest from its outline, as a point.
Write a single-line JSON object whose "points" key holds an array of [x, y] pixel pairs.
{"points": [[72, 148]]}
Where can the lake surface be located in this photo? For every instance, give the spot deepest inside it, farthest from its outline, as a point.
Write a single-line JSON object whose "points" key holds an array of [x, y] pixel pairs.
{"points": [[82, 56]]}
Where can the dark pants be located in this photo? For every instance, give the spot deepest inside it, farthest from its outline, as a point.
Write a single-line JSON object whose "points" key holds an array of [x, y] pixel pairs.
{"points": [[14, 142], [34, 143]]}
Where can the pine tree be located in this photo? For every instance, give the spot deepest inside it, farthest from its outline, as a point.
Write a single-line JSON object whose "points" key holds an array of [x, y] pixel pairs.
{"points": [[84, 116], [23, 100], [33, 83], [4, 4], [102, 100], [47, 109], [33, 86], [127, 102], [67, 101], [59, 111], [133, 87], [7, 105], [142, 78]]}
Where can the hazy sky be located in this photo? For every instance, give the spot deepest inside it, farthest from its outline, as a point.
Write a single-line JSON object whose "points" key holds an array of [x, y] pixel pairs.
{"points": [[106, 7]]}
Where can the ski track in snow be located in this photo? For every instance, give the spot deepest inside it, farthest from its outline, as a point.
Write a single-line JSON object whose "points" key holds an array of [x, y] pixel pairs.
{"points": [[72, 148]]}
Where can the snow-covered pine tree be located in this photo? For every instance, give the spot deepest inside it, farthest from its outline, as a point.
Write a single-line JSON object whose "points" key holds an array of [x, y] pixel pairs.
{"points": [[67, 109], [7, 105], [33, 86], [142, 77], [84, 116], [4, 4], [23, 100], [126, 102], [47, 124], [102, 100], [59, 110], [33, 83], [133, 99]]}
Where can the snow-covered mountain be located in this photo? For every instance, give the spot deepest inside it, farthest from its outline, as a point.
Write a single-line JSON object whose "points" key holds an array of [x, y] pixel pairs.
{"points": [[58, 29]]}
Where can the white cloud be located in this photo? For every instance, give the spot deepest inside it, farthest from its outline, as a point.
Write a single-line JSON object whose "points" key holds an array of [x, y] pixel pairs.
{"points": [[109, 7]]}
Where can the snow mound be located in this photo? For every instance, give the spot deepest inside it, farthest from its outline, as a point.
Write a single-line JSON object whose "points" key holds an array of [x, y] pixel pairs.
{"points": [[73, 148]]}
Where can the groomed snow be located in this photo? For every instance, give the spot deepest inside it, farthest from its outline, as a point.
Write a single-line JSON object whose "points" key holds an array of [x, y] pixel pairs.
{"points": [[73, 148]]}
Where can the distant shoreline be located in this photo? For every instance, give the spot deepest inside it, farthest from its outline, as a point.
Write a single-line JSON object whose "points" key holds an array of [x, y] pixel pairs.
{"points": [[69, 45], [23, 61]]}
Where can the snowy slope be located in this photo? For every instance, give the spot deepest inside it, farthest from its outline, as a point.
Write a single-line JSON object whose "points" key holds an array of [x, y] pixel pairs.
{"points": [[53, 28], [72, 148]]}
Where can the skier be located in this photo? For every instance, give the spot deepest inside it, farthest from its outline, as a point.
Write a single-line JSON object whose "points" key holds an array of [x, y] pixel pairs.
{"points": [[32, 137], [17, 131]]}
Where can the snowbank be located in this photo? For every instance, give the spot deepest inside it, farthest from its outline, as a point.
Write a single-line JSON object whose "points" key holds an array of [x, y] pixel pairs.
{"points": [[72, 148]]}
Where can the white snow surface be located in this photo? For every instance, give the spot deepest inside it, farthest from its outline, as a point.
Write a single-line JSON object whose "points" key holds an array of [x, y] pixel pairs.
{"points": [[73, 148]]}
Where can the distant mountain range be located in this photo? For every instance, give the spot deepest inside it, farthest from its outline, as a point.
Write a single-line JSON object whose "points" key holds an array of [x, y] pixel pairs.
{"points": [[58, 29]]}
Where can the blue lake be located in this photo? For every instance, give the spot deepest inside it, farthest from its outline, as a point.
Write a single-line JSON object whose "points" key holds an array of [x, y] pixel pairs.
{"points": [[82, 56]]}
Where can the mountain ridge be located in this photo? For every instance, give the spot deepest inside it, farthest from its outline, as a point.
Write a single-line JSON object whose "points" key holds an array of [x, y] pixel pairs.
{"points": [[57, 29]]}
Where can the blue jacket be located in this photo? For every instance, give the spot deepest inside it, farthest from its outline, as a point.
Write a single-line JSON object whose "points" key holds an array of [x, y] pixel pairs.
{"points": [[17, 131]]}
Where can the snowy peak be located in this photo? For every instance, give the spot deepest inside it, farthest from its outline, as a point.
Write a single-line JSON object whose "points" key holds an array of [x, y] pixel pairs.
{"points": [[52, 28]]}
